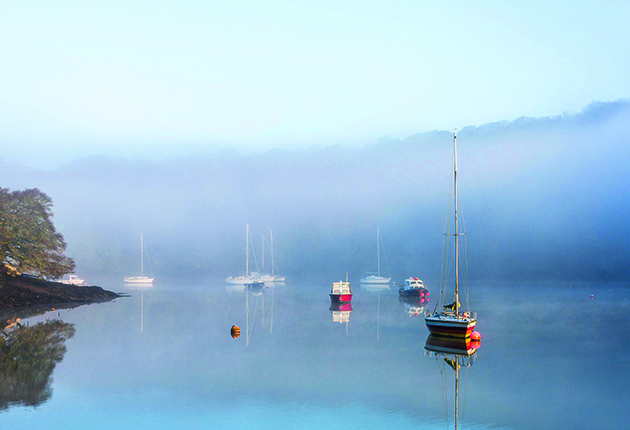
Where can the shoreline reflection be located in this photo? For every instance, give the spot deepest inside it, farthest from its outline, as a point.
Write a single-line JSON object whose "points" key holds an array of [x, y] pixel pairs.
{"points": [[28, 356]]}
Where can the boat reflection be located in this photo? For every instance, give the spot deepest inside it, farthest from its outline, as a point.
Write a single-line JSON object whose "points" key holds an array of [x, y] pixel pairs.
{"points": [[141, 287], [378, 289], [28, 356], [414, 306], [454, 352], [341, 312], [254, 299]]}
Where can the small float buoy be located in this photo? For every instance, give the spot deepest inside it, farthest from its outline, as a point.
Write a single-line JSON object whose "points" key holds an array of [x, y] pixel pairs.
{"points": [[475, 336], [592, 297], [235, 331]]}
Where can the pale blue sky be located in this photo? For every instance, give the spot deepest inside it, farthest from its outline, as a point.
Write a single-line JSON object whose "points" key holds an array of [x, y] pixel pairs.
{"points": [[121, 77]]}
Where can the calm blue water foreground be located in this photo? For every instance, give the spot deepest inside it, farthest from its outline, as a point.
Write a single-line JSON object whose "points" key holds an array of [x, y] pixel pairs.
{"points": [[163, 358]]}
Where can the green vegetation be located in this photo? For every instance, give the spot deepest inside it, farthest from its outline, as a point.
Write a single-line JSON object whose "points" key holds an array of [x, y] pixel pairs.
{"points": [[28, 239]]}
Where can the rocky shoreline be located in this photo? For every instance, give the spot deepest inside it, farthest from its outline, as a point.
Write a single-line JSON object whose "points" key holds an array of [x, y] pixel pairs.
{"points": [[19, 291]]}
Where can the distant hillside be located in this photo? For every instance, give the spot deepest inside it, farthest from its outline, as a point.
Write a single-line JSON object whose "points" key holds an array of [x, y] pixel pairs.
{"points": [[542, 198]]}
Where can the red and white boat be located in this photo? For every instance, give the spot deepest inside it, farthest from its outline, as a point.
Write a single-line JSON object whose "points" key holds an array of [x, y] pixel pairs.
{"points": [[340, 292], [452, 321]]}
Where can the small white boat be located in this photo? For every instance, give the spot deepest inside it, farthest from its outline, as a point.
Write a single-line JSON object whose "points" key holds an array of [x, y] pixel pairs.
{"points": [[376, 278], [73, 280], [140, 280], [240, 280], [248, 278]]}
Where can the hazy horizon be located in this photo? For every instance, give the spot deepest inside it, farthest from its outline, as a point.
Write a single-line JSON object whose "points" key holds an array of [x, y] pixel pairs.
{"points": [[543, 198]]}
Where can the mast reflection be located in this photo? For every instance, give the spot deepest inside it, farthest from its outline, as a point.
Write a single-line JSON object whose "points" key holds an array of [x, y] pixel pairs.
{"points": [[454, 352], [141, 287], [255, 299], [378, 289]]}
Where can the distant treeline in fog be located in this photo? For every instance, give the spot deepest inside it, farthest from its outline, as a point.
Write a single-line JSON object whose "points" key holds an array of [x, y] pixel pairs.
{"points": [[543, 198]]}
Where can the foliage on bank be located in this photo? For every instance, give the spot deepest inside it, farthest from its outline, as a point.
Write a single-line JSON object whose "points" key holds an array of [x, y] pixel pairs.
{"points": [[28, 238]]}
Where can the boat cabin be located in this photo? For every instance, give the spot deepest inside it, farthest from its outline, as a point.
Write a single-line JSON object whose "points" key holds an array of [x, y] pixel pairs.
{"points": [[413, 283], [341, 288]]}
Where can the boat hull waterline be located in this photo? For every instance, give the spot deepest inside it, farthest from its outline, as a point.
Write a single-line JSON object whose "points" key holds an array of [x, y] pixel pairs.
{"points": [[375, 280], [144, 280], [450, 327], [340, 298]]}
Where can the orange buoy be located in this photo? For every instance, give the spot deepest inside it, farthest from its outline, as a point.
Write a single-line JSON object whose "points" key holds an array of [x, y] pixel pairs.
{"points": [[475, 336], [235, 331]]}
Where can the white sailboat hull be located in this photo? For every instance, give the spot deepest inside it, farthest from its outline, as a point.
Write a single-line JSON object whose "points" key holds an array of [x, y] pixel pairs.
{"points": [[241, 280], [144, 280], [375, 280]]}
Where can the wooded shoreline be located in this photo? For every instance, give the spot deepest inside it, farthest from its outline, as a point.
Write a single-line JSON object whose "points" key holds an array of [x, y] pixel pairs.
{"points": [[20, 293]]}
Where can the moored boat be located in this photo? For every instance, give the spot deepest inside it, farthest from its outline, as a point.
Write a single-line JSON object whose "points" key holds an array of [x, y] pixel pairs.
{"points": [[340, 292], [248, 278], [413, 287], [376, 278], [140, 280], [451, 321], [254, 285], [73, 280]]}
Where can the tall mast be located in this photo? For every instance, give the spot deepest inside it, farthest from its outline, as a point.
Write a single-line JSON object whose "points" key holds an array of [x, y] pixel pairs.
{"points": [[141, 256], [263, 255], [247, 250], [271, 240], [378, 251], [456, 226]]}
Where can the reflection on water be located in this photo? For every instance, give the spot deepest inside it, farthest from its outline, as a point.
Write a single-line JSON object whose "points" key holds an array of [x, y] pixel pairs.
{"points": [[341, 312], [414, 306], [255, 300], [454, 353], [28, 356], [141, 287], [293, 367]]}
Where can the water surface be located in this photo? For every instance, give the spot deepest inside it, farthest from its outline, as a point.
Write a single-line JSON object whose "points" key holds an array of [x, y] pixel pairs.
{"points": [[550, 357]]}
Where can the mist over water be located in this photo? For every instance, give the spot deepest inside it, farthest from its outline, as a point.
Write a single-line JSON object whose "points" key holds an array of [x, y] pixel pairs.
{"points": [[542, 198]]}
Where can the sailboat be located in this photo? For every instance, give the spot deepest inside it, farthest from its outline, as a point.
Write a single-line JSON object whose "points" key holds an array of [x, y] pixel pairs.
{"points": [[276, 278], [456, 353], [265, 277], [144, 280], [451, 321], [372, 278], [249, 280]]}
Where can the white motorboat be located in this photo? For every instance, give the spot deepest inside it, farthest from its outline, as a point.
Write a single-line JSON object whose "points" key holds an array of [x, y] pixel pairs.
{"points": [[73, 280]]}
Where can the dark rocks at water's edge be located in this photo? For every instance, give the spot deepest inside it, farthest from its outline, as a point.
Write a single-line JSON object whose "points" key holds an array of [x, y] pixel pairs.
{"points": [[19, 291]]}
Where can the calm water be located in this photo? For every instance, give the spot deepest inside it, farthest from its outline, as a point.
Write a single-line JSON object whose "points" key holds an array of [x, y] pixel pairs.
{"points": [[550, 357]]}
